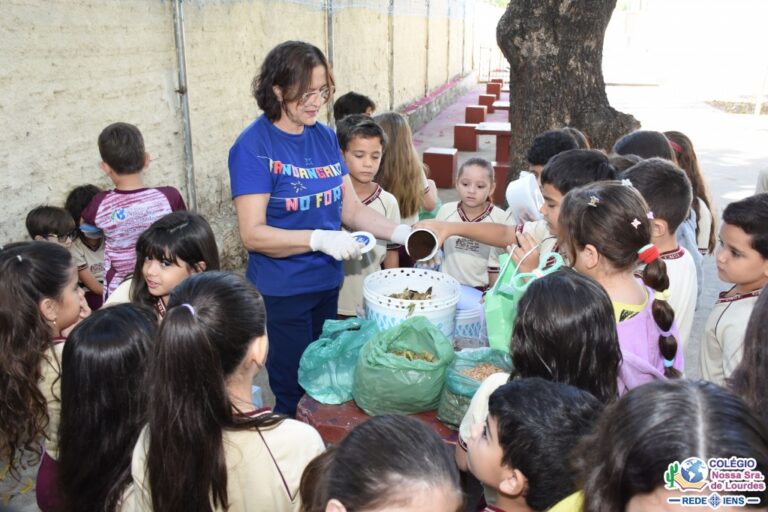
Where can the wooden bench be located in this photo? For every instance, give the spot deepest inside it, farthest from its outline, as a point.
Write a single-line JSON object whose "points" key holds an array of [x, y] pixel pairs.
{"points": [[442, 164], [503, 134], [487, 100], [497, 81], [500, 105], [493, 88], [465, 137], [475, 113]]}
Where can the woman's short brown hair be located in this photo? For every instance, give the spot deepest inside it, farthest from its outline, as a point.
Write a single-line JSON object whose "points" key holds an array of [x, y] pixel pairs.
{"points": [[289, 66]]}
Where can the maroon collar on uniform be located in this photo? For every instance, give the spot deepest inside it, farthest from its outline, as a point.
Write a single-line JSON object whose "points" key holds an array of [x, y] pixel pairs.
{"points": [[673, 255], [479, 218], [723, 299], [371, 198]]}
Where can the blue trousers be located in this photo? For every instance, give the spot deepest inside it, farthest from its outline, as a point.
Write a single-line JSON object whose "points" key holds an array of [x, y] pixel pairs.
{"points": [[294, 322]]}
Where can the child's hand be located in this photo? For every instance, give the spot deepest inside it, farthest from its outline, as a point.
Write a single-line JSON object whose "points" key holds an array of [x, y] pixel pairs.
{"points": [[85, 312], [525, 245]]}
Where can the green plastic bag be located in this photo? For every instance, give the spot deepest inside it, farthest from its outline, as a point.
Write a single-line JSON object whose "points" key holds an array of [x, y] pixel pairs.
{"points": [[501, 300], [327, 367], [389, 383], [459, 388]]}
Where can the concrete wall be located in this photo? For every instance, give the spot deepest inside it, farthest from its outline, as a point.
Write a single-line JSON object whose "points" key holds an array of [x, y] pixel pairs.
{"points": [[70, 67]]}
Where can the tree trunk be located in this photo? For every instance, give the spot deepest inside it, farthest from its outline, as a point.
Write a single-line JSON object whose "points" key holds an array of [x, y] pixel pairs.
{"points": [[555, 52]]}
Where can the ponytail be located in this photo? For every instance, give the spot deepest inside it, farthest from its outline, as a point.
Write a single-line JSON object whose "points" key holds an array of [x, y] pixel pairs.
{"points": [[655, 276]]}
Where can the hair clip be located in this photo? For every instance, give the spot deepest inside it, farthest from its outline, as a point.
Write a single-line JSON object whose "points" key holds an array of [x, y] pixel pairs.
{"points": [[668, 363], [627, 183], [648, 253], [677, 147], [665, 295], [635, 223], [649, 215], [189, 307], [18, 257], [593, 201]]}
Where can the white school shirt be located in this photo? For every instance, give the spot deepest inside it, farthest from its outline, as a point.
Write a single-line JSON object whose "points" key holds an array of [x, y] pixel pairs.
{"points": [[355, 271], [683, 289], [465, 259], [723, 343]]}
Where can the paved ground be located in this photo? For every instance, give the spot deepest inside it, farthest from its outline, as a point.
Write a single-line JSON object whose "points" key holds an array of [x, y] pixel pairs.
{"points": [[731, 148]]}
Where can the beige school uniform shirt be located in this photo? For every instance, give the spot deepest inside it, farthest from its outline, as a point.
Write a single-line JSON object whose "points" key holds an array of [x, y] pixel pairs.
{"points": [[355, 271], [86, 258], [683, 289], [468, 261], [50, 387], [263, 473], [540, 233], [723, 343]]}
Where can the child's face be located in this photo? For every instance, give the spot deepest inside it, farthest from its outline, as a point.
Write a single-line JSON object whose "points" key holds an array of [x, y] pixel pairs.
{"points": [[64, 240], [737, 261], [551, 207], [536, 170], [162, 276], [484, 452], [363, 156], [71, 301], [474, 186]]}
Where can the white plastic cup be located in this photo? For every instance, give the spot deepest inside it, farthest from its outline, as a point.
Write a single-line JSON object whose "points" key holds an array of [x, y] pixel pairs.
{"points": [[421, 244]]}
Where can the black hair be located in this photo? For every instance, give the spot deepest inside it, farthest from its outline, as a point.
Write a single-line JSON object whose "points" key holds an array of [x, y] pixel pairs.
{"points": [[49, 220], [577, 167], [212, 319], [78, 199], [645, 144], [357, 125], [614, 219], [751, 216], [351, 103], [547, 144], [121, 147], [377, 464], [581, 140], [657, 424], [478, 162], [624, 162], [750, 378], [29, 273], [565, 331], [288, 66], [665, 188], [181, 235], [103, 404], [539, 424]]}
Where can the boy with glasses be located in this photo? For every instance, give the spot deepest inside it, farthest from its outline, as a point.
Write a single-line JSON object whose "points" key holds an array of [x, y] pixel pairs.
{"points": [[51, 224]]}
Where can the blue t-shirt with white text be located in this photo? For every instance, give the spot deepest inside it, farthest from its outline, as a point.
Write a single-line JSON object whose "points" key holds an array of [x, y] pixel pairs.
{"points": [[303, 173]]}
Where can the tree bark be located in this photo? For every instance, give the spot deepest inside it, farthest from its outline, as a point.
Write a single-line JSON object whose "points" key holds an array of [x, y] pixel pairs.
{"points": [[555, 52]]}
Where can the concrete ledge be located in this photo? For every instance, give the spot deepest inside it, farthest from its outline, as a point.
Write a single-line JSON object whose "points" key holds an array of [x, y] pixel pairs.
{"points": [[425, 109]]}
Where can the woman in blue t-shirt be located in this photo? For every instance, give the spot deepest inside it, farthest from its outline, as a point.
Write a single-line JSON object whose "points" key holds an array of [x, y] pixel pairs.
{"points": [[288, 183]]}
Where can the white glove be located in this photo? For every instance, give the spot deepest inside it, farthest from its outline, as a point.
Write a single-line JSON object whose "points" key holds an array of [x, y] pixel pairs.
{"points": [[400, 234], [340, 245]]}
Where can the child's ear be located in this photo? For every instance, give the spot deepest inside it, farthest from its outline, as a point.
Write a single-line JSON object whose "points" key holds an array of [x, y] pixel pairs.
{"points": [[38, 237], [200, 266], [491, 191], [513, 482], [146, 160], [49, 308], [658, 228], [105, 168], [589, 256], [258, 350], [335, 505]]}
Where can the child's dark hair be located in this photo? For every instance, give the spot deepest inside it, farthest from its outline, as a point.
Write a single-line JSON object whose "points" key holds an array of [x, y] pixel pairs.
{"points": [[581, 140], [665, 188], [351, 103], [565, 331], [689, 163], [577, 167], [751, 215], [29, 273], [49, 220], [750, 379], [539, 425], [181, 235], [645, 144], [377, 464], [78, 199], [121, 146], [288, 66], [103, 403], [613, 218], [478, 162], [660, 423], [624, 162], [357, 125], [212, 319], [547, 144]]}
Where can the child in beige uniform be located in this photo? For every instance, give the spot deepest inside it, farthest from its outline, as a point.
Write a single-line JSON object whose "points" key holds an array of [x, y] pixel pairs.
{"points": [[363, 143], [203, 428]]}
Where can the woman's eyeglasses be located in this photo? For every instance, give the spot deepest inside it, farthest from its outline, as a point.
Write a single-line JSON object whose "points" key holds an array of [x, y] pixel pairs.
{"points": [[63, 238], [324, 93]]}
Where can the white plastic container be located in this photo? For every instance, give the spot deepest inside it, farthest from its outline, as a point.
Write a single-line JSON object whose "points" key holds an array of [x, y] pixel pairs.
{"points": [[469, 314], [388, 312]]}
